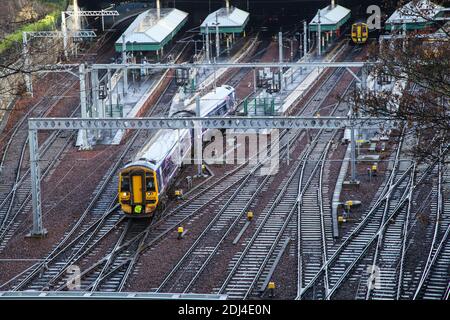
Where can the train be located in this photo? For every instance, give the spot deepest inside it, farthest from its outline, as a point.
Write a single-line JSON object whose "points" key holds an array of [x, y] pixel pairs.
{"points": [[359, 32], [144, 182]]}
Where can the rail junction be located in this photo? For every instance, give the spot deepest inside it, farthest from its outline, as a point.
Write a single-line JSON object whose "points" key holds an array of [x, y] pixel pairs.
{"points": [[311, 198]]}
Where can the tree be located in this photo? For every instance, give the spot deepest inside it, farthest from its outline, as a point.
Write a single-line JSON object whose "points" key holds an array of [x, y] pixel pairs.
{"points": [[18, 16], [421, 60]]}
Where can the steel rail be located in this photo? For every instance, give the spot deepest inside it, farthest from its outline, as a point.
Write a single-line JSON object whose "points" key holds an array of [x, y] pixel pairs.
{"points": [[405, 236], [215, 219], [320, 163], [431, 259], [384, 194]]}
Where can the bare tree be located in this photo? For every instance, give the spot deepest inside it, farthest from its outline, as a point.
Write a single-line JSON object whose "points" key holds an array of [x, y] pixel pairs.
{"points": [[421, 60], [13, 65]]}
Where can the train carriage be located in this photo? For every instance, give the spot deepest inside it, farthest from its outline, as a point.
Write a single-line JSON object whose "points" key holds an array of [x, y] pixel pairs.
{"points": [[144, 182]]}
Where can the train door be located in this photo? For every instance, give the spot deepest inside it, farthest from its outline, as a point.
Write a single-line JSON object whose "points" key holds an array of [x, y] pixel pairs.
{"points": [[137, 183]]}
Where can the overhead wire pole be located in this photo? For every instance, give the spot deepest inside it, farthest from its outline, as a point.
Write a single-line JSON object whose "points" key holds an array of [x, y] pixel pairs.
{"points": [[198, 138], [124, 61], [305, 38], [64, 32], [27, 35], [319, 31], [217, 38], [84, 145], [65, 14], [280, 54], [207, 43], [38, 230], [353, 148], [27, 64]]}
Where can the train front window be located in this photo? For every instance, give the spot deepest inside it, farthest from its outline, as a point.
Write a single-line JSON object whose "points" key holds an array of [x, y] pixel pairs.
{"points": [[125, 184], [150, 184]]}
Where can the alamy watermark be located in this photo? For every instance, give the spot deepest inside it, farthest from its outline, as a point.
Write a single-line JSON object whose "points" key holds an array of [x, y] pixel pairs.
{"points": [[74, 280], [234, 147], [374, 20], [374, 280]]}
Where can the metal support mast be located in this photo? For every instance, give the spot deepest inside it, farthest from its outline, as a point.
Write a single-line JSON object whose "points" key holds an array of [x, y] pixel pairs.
{"points": [[217, 38], [305, 38], [208, 60], [65, 14], [319, 31], [280, 53], [198, 139], [84, 145], [38, 229], [125, 70], [27, 64], [26, 35]]}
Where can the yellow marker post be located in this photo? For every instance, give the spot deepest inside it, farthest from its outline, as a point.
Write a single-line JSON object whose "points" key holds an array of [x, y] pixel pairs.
{"points": [[180, 232], [271, 288], [178, 193], [249, 216], [374, 169]]}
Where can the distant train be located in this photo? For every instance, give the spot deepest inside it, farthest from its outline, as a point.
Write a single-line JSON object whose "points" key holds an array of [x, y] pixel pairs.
{"points": [[144, 182], [359, 33]]}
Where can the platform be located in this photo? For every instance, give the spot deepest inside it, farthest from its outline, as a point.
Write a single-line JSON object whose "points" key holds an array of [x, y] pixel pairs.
{"points": [[230, 20], [331, 18], [407, 16], [148, 32]]}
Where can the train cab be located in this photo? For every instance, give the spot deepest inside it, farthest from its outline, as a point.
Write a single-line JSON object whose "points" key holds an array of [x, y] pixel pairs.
{"points": [[360, 33], [138, 191]]}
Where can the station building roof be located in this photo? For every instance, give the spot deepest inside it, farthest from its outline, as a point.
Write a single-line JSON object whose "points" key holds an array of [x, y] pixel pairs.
{"points": [[415, 15], [148, 33], [232, 20], [331, 18]]}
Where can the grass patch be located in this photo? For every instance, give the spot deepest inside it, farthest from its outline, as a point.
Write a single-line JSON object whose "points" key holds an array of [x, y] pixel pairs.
{"points": [[46, 23]]}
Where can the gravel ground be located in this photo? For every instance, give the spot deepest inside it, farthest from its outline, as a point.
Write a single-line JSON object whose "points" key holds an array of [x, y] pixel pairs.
{"points": [[65, 197]]}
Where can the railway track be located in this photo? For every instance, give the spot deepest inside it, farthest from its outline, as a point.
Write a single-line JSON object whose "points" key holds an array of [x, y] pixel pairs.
{"points": [[256, 256], [118, 263], [188, 270], [173, 221], [332, 272], [218, 193], [371, 239], [15, 190], [435, 278], [91, 229], [228, 215], [252, 268], [16, 184]]}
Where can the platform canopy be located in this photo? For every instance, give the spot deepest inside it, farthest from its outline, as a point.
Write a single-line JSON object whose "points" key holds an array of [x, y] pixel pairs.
{"points": [[230, 20], [415, 15], [332, 18], [150, 33]]}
